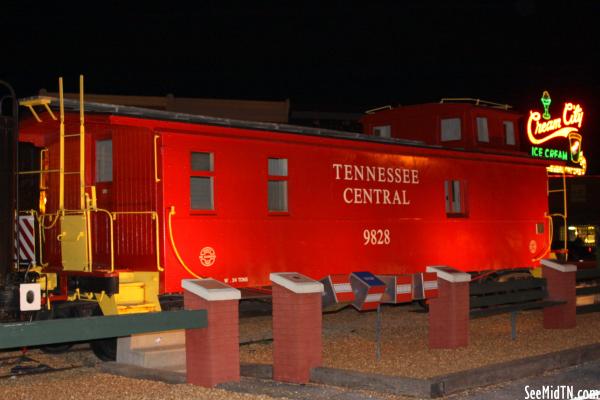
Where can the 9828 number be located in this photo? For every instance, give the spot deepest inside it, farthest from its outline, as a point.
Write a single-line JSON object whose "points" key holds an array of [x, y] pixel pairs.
{"points": [[376, 237]]}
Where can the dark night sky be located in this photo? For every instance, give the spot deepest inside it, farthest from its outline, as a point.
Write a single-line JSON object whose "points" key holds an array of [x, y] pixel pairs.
{"points": [[344, 56]]}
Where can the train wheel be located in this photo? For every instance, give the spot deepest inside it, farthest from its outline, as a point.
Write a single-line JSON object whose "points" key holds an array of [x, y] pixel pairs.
{"points": [[424, 305], [57, 311], [104, 349]]}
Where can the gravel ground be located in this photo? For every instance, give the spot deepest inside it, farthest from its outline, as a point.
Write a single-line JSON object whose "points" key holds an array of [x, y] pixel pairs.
{"points": [[87, 383], [349, 342]]}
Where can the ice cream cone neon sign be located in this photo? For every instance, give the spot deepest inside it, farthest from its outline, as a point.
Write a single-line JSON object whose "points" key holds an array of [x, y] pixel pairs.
{"points": [[546, 100], [542, 128], [540, 131]]}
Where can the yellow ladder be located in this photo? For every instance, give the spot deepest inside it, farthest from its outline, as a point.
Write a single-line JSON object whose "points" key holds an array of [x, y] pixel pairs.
{"points": [[75, 230]]}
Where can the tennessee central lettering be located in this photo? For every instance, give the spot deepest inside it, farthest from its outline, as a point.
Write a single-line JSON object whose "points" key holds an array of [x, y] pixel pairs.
{"points": [[349, 172], [377, 195]]}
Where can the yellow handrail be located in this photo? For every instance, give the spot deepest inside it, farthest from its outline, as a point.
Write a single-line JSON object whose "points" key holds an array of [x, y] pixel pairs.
{"points": [[156, 178], [112, 241], [88, 221], [156, 240], [82, 149], [43, 155], [40, 237], [171, 213], [61, 168], [88, 224], [52, 222]]}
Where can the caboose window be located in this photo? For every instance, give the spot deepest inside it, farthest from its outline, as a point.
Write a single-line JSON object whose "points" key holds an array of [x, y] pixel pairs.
{"points": [[509, 132], [384, 131], [277, 185], [278, 167], [104, 162], [450, 129], [202, 162], [201, 193], [482, 130], [201, 181], [455, 198]]}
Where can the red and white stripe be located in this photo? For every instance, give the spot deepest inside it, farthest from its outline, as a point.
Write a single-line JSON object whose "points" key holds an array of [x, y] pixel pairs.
{"points": [[404, 289], [26, 238], [430, 285], [342, 288]]}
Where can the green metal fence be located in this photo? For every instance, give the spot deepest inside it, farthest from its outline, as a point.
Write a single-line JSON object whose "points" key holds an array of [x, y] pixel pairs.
{"points": [[35, 333]]}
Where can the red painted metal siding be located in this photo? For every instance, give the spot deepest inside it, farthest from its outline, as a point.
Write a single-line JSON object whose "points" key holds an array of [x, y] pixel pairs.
{"points": [[134, 189], [422, 122], [324, 231], [322, 234]]}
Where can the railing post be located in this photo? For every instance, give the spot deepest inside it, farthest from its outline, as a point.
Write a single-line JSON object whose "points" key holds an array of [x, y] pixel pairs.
{"points": [[561, 284], [297, 325], [449, 312], [213, 353]]}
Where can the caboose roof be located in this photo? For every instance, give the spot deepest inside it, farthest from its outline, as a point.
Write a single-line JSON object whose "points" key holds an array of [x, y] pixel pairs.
{"points": [[152, 114], [148, 113]]}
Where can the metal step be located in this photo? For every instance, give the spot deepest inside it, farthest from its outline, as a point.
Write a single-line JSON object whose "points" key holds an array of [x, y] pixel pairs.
{"points": [[137, 308]]}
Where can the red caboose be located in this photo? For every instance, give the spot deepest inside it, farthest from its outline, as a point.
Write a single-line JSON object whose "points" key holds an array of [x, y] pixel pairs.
{"points": [[164, 196]]}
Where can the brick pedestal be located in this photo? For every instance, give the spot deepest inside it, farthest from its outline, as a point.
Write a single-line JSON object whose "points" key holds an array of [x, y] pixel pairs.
{"points": [[449, 312], [213, 353], [297, 326], [561, 281]]}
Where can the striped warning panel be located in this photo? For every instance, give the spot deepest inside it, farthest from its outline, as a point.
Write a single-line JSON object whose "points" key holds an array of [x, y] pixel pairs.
{"points": [[26, 239]]}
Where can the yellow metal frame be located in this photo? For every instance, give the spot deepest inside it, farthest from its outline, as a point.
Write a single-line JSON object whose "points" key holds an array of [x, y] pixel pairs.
{"points": [[138, 292], [42, 101], [87, 205]]}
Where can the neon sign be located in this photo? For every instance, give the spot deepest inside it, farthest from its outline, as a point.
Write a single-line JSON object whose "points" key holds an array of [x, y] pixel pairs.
{"points": [[542, 129]]}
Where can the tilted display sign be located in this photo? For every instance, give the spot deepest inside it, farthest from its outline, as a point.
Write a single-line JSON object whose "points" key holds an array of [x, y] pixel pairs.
{"points": [[558, 137]]}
